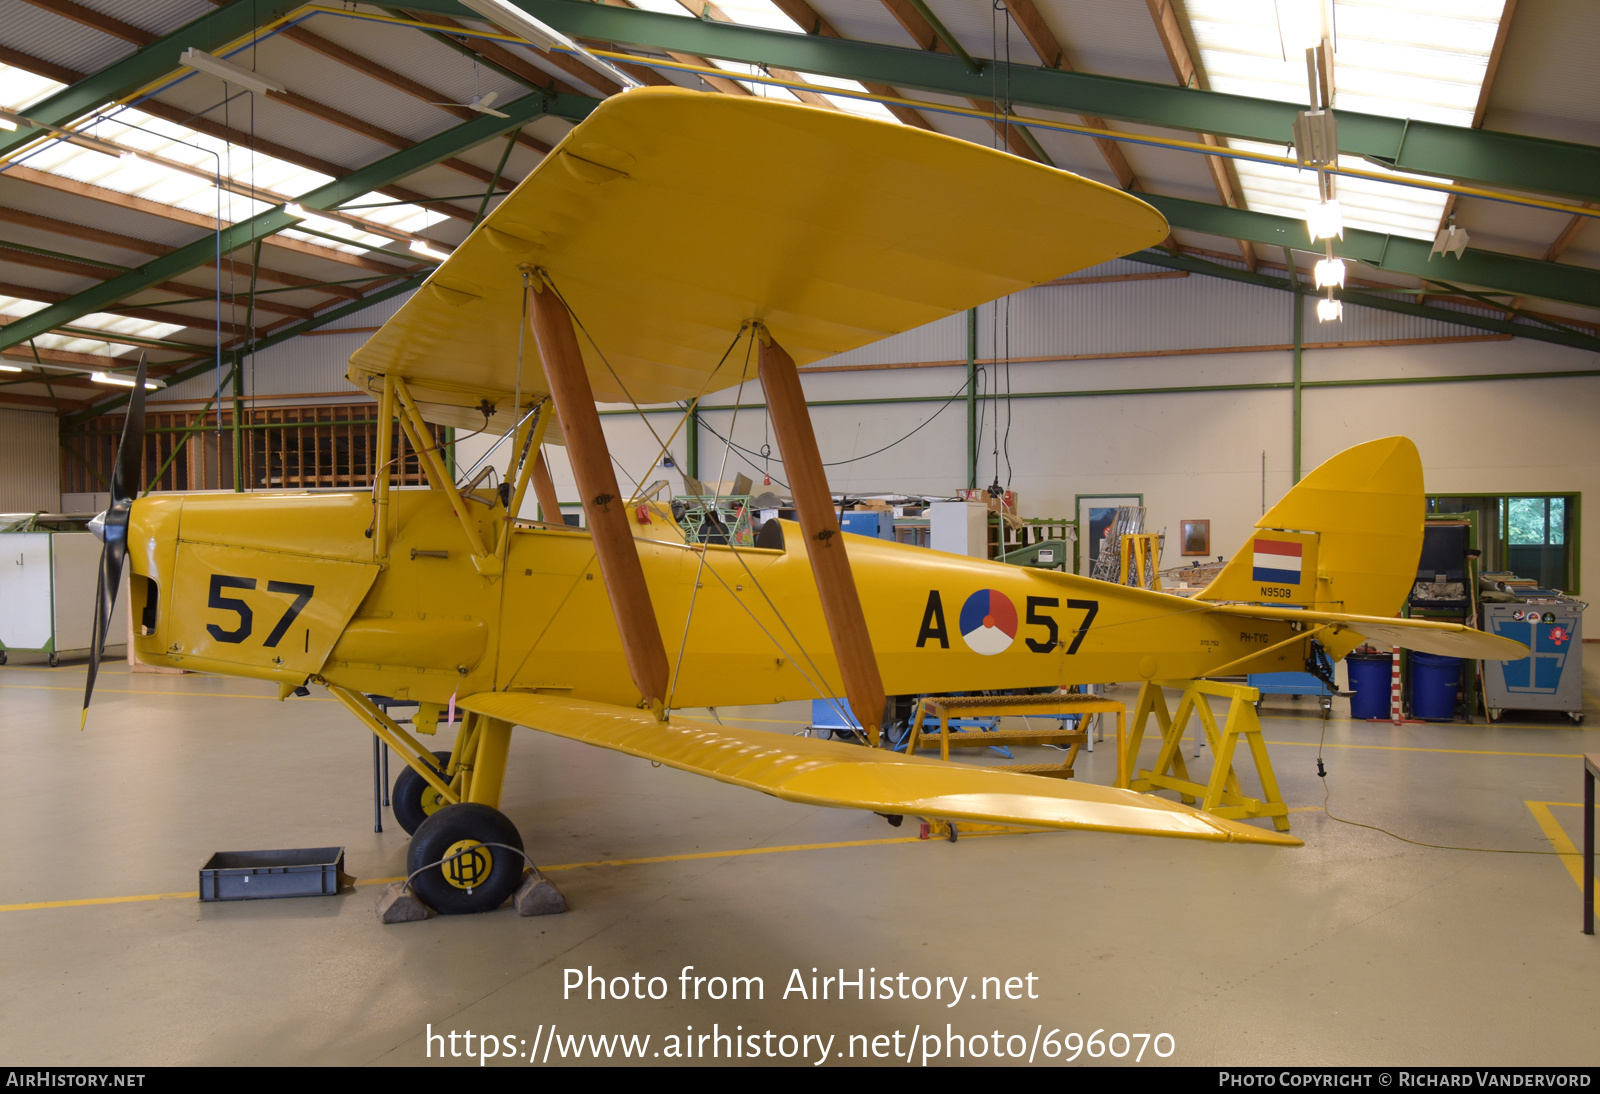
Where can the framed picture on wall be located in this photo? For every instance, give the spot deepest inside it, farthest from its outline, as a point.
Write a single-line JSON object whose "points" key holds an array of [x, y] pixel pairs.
{"points": [[1197, 537]]}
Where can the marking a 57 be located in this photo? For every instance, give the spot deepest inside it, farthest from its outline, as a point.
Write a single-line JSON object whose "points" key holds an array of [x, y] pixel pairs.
{"points": [[990, 613], [219, 582]]}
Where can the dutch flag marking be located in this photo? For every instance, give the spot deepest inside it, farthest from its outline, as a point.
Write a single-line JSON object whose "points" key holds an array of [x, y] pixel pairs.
{"points": [[1276, 562]]}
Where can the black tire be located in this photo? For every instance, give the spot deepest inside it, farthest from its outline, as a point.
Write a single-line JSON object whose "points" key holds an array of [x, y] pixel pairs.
{"points": [[444, 830], [414, 801], [2, 657], [54, 659]]}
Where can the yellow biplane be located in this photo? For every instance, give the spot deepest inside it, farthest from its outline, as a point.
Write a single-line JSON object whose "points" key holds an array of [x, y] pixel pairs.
{"points": [[666, 229]]}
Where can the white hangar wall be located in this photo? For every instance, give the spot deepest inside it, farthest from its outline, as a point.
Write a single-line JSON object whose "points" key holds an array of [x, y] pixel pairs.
{"points": [[1103, 401]]}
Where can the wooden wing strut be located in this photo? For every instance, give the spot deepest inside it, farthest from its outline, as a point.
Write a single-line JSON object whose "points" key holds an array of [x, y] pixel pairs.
{"points": [[841, 604], [604, 507]]}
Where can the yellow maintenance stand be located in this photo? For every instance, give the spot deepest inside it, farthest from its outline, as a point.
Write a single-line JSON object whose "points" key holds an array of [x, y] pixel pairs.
{"points": [[1051, 705], [1140, 562], [1220, 795]]}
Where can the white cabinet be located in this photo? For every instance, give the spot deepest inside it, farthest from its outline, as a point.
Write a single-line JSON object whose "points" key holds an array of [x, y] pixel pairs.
{"points": [[47, 587]]}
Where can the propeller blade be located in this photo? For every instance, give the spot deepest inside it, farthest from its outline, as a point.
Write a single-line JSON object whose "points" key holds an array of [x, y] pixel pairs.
{"points": [[130, 457], [112, 556], [113, 530], [486, 101], [496, 113]]}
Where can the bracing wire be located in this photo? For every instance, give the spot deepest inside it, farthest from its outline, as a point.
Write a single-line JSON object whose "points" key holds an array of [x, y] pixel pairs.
{"points": [[694, 595], [728, 449], [690, 407], [645, 418], [749, 455]]}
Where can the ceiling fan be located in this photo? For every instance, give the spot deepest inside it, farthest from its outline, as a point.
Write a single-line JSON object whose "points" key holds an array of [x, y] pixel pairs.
{"points": [[483, 104]]}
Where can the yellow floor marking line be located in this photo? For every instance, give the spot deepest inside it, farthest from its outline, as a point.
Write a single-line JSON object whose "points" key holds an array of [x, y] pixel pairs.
{"points": [[998, 830], [39, 904], [1571, 857], [1455, 751], [178, 694]]}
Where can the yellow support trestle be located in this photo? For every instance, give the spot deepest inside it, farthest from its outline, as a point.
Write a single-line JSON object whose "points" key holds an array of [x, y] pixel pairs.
{"points": [[1220, 795]]}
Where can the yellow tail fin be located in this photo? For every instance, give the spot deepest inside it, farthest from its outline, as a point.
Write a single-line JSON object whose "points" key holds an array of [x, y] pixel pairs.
{"points": [[1345, 539]]}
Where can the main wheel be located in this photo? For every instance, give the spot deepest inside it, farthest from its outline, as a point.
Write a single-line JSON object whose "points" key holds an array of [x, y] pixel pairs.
{"points": [[478, 878], [414, 800]]}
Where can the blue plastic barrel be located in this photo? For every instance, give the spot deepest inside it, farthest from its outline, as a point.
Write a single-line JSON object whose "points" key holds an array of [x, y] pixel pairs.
{"points": [[1369, 682], [1434, 683]]}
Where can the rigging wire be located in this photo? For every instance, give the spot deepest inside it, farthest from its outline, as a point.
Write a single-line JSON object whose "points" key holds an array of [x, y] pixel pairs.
{"points": [[694, 595], [750, 455], [548, 280]]}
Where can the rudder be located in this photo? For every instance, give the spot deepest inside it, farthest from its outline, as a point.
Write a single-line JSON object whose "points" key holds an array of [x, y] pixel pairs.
{"points": [[1346, 538]]}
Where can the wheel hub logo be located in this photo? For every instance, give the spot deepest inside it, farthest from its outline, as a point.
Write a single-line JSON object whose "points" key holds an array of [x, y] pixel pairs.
{"points": [[470, 865]]}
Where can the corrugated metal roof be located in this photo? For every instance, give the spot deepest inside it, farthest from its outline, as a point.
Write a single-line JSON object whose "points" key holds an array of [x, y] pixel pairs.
{"points": [[59, 40]]}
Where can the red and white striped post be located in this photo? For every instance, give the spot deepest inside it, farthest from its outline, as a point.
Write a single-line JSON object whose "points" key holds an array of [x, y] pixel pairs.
{"points": [[1394, 685]]}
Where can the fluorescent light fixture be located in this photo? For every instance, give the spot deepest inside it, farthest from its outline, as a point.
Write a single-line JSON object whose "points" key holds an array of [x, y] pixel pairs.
{"points": [[1329, 271], [509, 17], [9, 368], [1329, 310], [233, 74], [1325, 220], [10, 120], [120, 381], [418, 247]]}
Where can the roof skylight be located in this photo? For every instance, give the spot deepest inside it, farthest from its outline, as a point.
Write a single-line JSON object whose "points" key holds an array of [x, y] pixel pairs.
{"points": [[1419, 59], [13, 308], [204, 157], [768, 16]]}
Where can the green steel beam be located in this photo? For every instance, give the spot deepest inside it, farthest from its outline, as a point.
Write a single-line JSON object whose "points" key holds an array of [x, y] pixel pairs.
{"points": [[1371, 300], [1491, 269], [210, 31], [1448, 151], [366, 179], [283, 335], [1191, 389]]}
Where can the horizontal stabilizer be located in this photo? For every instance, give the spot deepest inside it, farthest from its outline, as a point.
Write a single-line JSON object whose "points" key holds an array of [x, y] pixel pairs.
{"points": [[813, 772], [1422, 635]]}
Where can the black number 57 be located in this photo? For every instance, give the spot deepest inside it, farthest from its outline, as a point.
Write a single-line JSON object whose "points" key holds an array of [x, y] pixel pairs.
{"points": [[302, 596]]}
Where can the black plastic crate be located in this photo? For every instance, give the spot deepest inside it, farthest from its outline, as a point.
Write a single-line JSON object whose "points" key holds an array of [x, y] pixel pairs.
{"points": [[263, 875]]}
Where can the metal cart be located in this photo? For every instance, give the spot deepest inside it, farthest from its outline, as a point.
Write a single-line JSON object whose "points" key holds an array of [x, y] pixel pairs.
{"points": [[1552, 677]]}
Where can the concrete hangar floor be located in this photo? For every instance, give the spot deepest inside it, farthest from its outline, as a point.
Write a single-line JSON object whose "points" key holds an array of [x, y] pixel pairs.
{"points": [[1357, 948]]}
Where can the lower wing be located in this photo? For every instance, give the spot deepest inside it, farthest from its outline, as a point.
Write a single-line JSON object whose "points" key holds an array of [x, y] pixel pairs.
{"points": [[813, 772], [1422, 635]]}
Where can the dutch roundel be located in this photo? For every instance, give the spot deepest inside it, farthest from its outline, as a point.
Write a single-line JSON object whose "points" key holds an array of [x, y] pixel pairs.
{"points": [[988, 622]]}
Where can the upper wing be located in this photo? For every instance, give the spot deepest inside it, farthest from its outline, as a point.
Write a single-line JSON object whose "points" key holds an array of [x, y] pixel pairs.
{"points": [[800, 769], [1423, 635], [668, 218]]}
